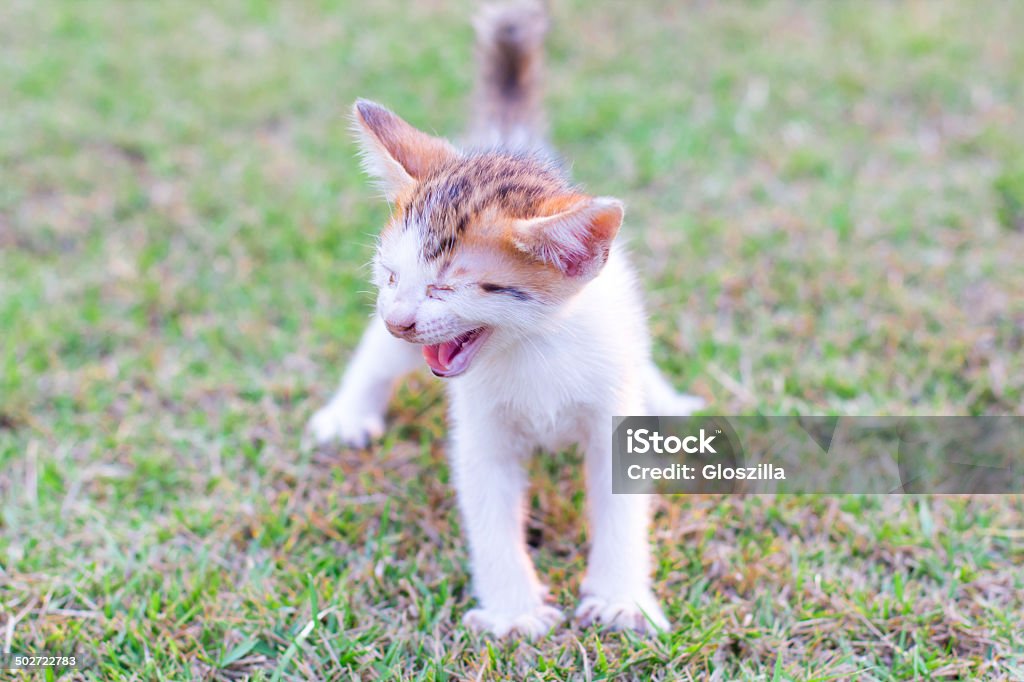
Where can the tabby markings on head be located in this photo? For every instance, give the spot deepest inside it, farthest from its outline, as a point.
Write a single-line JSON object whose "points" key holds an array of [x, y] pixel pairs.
{"points": [[452, 200]]}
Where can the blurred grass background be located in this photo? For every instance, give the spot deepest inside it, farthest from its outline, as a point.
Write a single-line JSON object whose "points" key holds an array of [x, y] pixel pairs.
{"points": [[827, 202]]}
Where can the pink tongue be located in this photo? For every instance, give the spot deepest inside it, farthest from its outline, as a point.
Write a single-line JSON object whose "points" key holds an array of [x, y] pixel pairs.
{"points": [[439, 356], [447, 351]]}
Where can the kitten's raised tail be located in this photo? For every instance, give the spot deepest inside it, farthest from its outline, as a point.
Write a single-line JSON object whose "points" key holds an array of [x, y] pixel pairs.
{"points": [[508, 108]]}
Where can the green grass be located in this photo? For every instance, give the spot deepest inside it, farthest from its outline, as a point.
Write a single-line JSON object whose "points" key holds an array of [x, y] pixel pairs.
{"points": [[825, 199]]}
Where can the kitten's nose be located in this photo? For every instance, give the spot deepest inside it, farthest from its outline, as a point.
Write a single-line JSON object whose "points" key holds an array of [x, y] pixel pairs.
{"points": [[400, 326]]}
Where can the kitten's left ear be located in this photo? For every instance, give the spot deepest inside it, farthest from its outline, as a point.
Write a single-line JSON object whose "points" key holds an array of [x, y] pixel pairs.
{"points": [[394, 152], [577, 239]]}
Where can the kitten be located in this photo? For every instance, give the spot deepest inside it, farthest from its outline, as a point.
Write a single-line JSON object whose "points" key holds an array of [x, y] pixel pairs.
{"points": [[507, 281]]}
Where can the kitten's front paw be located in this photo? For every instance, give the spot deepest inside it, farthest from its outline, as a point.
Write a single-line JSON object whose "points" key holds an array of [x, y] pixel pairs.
{"points": [[620, 612], [531, 624], [353, 427]]}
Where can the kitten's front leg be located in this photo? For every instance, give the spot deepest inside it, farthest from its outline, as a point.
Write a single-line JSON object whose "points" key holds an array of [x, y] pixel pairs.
{"points": [[491, 484], [617, 589], [355, 414]]}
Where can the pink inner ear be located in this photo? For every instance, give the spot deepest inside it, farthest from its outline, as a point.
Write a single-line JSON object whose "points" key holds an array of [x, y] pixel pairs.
{"points": [[577, 241], [576, 263], [573, 268], [415, 151]]}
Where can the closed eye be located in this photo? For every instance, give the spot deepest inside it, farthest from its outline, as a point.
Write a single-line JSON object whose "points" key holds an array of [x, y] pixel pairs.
{"points": [[515, 293], [438, 291]]}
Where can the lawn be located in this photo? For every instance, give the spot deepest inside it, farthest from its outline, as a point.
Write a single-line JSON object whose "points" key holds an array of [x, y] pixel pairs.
{"points": [[826, 201]]}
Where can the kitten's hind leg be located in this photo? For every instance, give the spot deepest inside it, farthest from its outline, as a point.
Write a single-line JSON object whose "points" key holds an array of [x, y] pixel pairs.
{"points": [[660, 398], [355, 415]]}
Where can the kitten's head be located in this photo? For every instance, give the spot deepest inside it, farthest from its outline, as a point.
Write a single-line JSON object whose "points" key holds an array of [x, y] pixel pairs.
{"points": [[481, 247]]}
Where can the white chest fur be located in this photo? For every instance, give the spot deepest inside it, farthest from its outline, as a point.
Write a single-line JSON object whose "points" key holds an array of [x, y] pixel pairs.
{"points": [[584, 365]]}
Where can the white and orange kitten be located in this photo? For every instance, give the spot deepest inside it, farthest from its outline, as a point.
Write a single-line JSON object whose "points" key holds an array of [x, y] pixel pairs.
{"points": [[506, 279]]}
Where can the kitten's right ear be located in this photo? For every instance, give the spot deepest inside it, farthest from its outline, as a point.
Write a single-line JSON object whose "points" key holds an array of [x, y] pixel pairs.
{"points": [[394, 153]]}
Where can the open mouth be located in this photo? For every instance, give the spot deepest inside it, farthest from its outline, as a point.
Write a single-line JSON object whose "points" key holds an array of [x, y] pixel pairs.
{"points": [[452, 358]]}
